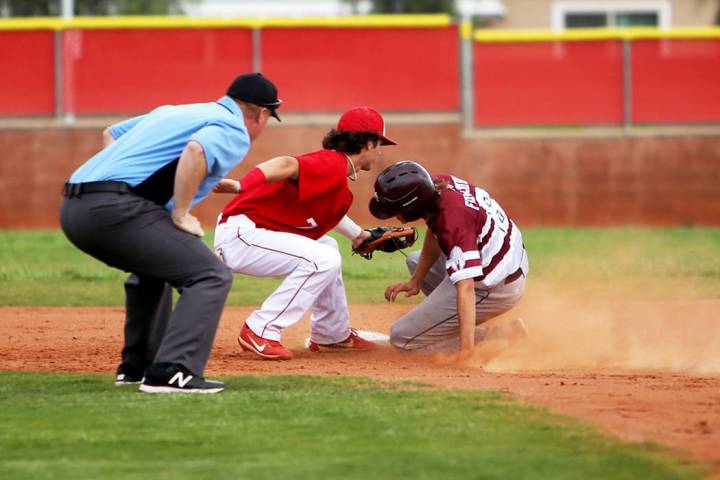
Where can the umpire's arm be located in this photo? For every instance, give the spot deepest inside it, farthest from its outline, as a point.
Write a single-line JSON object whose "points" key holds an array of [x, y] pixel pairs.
{"points": [[107, 138], [191, 170]]}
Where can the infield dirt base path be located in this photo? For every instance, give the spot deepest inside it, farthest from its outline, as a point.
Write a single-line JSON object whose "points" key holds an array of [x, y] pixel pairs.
{"points": [[662, 386]]}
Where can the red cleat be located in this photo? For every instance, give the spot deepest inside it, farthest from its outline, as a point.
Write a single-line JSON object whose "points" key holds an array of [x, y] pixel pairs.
{"points": [[262, 347], [354, 341]]}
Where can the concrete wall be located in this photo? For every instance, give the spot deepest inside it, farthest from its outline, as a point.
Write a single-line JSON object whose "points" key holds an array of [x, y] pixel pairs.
{"points": [[694, 13], [645, 181], [537, 13]]}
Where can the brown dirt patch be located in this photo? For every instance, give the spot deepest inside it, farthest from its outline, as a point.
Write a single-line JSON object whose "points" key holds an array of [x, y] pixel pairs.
{"points": [[640, 370]]}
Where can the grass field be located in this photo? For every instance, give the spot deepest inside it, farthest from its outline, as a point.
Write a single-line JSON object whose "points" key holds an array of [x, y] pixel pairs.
{"points": [[43, 268], [80, 426]]}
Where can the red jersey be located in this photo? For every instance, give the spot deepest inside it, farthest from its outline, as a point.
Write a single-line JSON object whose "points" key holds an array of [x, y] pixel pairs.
{"points": [[478, 239], [310, 206]]}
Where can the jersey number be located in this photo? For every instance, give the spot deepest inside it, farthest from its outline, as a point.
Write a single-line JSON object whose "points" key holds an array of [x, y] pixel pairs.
{"points": [[311, 224], [493, 209]]}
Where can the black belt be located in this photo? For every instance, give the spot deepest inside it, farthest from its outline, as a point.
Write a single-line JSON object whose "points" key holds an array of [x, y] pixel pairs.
{"points": [[514, 276], [76, 189]]}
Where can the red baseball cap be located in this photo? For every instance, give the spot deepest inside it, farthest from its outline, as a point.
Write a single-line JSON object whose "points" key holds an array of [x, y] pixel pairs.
{"points": [[364, 119]]}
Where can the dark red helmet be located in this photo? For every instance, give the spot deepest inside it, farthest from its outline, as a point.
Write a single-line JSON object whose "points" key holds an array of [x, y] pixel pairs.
{"points": [[406, 189]]}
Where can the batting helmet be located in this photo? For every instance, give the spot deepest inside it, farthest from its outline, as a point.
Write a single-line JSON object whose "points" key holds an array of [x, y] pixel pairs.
{"points": [[406, 189]]}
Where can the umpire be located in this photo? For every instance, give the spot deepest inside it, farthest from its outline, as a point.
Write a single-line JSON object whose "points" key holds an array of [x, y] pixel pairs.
{"points": [[129, 207]]}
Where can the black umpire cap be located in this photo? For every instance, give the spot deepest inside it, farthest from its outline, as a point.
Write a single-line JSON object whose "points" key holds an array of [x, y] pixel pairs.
{"points": [[256, 89]]}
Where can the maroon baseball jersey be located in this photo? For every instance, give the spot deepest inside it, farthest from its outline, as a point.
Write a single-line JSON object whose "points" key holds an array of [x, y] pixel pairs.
{"points": [[475, 234], [310, 206]]}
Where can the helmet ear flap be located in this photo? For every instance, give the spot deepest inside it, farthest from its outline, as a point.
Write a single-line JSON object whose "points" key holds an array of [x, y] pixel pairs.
{"points": [[380, 210], [405, 189], [424, 205]]}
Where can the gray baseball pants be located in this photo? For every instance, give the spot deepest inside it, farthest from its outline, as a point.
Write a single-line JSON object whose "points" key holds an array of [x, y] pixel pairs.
{"points": [[434, 323], [136, 235]]}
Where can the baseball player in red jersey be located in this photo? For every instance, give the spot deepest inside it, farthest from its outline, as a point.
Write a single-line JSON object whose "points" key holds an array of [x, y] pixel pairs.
{"points": [[277, 225], [472, 265]]}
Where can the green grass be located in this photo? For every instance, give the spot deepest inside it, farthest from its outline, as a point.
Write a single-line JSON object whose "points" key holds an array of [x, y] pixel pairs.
{"points": [[683, 252], [43, 268], [59, 426], [637, 262]]}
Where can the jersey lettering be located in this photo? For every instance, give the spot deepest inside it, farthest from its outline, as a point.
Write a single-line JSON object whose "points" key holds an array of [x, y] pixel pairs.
{"points": [[463, 187]]}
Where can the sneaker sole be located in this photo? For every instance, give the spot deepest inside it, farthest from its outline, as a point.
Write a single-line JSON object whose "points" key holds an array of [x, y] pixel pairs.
{"points": [[316, 348], [249, 348], [165, 389], [128, 383]]}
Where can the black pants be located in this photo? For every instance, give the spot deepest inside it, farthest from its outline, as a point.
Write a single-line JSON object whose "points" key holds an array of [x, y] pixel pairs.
{"points": [[148, 305], [138, 236]]}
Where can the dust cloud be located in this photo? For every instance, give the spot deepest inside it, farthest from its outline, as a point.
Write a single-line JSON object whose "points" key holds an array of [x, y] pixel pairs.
{"points": [[571, 329]]}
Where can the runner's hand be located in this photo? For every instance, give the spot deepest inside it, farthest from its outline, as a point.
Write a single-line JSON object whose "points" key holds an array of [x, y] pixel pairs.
{"points": [[410, 288]]}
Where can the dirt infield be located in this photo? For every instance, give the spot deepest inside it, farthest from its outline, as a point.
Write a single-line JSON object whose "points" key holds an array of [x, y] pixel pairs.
{"points": [[640, 370]]}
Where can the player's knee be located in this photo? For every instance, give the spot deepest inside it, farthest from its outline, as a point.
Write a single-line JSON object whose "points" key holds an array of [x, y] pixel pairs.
{"points": [[221, 277], [215, 281], [398, 336], [330, 261], [225, 274], [335, 260]]}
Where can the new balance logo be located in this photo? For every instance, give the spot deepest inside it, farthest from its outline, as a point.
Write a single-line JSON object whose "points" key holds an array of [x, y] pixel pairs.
{"points": [[180, 379]]}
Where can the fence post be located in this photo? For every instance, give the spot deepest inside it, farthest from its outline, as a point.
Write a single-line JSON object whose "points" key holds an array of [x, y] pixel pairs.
{"points": [[67, 12], [627, 84], [256, 49], [58, 64], [67, 9], [467, 97]]}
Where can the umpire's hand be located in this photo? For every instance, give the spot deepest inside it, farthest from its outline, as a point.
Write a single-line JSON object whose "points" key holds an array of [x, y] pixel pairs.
{"points": [[188, 223]]}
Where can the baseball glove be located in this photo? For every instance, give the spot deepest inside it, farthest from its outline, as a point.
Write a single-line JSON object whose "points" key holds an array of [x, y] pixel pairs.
{"points": [[386, 239]]}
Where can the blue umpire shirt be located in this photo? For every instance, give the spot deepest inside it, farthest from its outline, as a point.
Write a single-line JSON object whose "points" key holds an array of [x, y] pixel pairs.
{"points": [[146, 144]]}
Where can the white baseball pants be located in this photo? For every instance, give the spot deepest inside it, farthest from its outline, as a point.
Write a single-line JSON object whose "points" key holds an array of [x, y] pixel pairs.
{"points": [[313, 278]]}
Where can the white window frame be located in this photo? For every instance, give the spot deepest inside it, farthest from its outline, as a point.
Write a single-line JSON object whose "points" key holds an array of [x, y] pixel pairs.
{"points": [[560, 8]]}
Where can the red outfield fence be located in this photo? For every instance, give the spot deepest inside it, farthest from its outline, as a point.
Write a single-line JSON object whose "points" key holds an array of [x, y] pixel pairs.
{"points": [[119, 71], [676, 80], [27, 83], [126, 65], [548, 83], [586, 77]]}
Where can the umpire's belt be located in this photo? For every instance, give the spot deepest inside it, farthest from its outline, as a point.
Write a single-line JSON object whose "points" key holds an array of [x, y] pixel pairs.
{"points": [[76, 189]]}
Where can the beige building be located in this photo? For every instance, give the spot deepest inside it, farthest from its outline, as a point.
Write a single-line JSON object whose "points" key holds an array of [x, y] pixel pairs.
{"points": [[563, 14]]}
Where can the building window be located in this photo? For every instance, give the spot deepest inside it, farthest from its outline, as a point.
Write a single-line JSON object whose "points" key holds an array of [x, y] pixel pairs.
{"points": [[596, 14], [586, 20], [636, 19]]}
